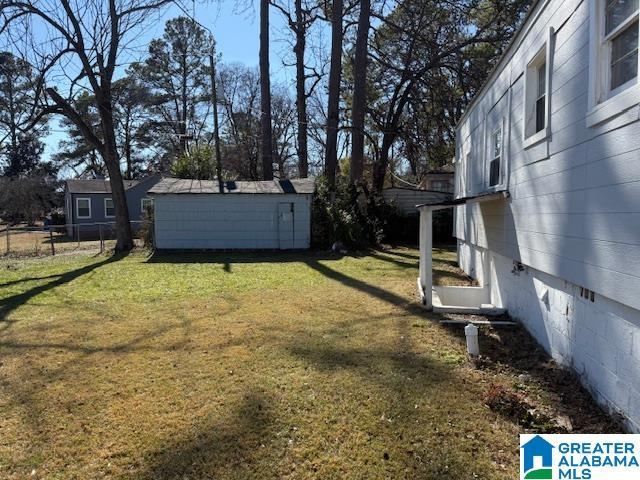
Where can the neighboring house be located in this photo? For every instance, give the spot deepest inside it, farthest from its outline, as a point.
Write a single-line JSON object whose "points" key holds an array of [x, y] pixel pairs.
{"points": [[548, 192], [406, 199], [439, 180], [88, 202], [193, 214]]}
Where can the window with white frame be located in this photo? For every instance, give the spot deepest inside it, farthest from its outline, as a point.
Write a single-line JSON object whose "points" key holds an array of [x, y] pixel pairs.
{"points": [[496, 157], [536, 94], [109, 209], [621, 40], [146, 204], [83, 208], [614, 55]]}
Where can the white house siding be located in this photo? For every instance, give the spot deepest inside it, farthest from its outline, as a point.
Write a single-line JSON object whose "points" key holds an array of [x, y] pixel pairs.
{"points": [[573, 217], [230, 221]]}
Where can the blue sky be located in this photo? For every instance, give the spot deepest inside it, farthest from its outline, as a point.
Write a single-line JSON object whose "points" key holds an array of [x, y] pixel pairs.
{"points": [[236, 30]]}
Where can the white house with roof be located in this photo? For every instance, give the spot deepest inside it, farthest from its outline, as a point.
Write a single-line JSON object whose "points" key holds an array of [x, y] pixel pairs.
{"points": [[547, 194]]}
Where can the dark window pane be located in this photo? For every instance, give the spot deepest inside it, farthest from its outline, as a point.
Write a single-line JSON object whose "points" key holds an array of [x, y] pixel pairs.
{"points": [[494, 172], [497, 143], [618, 11], [540, 114], [542, 79], [624, 56]]}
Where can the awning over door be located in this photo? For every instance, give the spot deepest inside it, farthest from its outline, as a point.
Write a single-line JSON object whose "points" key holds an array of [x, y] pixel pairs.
{"points": [[425, 280]]}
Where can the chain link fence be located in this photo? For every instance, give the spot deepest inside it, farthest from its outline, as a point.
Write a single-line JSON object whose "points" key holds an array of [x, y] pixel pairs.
{"points": [[60, 239]]}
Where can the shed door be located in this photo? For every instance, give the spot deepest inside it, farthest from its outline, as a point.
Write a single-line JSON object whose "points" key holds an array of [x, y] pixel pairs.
{"points": [[285, 225]]}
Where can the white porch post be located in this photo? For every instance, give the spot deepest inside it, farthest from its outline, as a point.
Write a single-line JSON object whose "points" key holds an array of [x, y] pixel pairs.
{"points": [[426, 242]]}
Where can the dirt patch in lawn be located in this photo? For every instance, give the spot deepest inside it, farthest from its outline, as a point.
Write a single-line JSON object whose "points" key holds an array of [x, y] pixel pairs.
{"points": [[529, 388]]}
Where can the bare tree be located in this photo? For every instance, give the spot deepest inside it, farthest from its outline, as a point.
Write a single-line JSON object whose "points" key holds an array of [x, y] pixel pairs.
{"points": [[83, 42], [239, 96], [265, 93], [284, 128], [304, 15], [420, 39]]}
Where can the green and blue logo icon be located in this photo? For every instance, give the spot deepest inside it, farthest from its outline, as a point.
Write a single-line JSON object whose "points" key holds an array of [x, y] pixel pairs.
{"points": [[536, 459], [580, 457]]}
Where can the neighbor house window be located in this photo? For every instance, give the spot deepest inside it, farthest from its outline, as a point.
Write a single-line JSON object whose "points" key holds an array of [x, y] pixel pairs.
{"points": [[440, 185], [614, 56], [496, 156], [147, 204], [109, 209], [83, 208]]}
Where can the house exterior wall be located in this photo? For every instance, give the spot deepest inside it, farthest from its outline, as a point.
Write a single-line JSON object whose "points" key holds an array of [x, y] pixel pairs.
{"points": [[231, 221], [573, 216], [599, 340], [134, 196]]}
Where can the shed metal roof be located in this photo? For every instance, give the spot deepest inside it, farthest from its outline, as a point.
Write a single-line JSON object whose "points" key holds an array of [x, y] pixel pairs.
{"points": [[179, 186]]}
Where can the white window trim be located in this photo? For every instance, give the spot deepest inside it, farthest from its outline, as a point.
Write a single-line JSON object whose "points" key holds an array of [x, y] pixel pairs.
{"points": [[622, 98], [545, 133], [105, 208], [142, 200], [465, 173], [487, 167], [78, 216]]}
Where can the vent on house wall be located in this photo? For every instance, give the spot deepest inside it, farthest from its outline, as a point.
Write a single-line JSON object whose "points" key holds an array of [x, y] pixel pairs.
{"points": [[587, 294]]}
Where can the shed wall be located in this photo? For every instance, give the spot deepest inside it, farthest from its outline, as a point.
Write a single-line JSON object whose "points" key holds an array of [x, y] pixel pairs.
{"points": [[232, 221]]}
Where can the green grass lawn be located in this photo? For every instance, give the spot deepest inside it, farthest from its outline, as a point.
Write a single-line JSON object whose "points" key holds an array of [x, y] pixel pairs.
{"points": [[292, 365]]}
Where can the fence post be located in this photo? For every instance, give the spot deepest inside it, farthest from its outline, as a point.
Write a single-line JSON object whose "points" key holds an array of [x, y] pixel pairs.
{"points": [[101, 241], [53, 248], [78, 235], [8, 240]]}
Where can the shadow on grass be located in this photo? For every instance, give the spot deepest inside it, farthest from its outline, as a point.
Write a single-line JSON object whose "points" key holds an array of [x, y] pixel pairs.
{"points": [[365, 287], [219, 447], [9, 304], [410, 371], [227, 259], [28, 279]]}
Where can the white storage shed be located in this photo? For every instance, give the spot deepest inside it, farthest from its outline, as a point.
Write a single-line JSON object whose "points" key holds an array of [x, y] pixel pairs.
{"points": [[193, 214]]}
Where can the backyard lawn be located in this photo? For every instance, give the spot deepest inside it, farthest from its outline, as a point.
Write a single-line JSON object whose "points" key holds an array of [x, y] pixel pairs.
{"points": [[292, 365]]}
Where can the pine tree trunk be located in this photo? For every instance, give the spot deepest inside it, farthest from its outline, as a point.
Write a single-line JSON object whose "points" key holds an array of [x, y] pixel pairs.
{"points": [[301, 94], [265, 93], [335, 73], [360, 93]]}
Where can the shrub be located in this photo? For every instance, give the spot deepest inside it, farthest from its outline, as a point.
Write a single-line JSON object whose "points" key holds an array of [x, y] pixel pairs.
{"points": [[351, 215]]}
